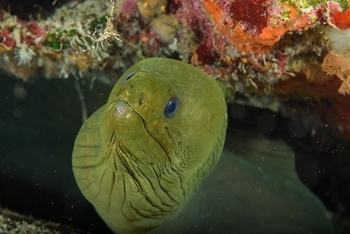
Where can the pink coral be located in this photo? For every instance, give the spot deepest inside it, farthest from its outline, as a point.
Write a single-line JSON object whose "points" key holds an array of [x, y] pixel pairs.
{"points": [[338, 17], [252, 12], [6, 39], [34, 33], [129, 6]]}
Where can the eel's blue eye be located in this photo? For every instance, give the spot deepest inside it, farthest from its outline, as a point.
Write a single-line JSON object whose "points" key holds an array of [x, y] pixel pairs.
{"points": [[128, 76], [171, 108]]}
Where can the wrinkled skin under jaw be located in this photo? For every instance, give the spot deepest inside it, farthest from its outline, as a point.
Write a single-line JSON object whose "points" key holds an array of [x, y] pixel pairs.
{"points": [[131, 190]]}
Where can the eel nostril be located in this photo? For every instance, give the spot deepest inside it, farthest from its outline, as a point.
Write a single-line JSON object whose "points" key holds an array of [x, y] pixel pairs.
{"points": [[127, 86], [142, 101]]}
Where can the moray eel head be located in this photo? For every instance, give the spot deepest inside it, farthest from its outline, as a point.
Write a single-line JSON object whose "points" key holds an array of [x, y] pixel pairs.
{"points": [[140, 157]]}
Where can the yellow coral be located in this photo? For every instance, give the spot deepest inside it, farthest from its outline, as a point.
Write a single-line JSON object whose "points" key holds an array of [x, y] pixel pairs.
{"points": [[152, 8], [165, 26]]}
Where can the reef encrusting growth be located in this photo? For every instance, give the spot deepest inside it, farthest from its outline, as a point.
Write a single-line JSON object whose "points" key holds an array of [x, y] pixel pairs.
{"points": [[277, 51]]}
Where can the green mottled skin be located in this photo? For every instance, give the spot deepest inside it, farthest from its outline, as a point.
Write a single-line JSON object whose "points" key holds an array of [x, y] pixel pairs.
{"points": [[137, 166], [144, 172]]}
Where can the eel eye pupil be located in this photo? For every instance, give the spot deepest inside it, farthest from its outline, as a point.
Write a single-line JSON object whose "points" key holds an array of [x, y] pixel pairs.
{"points": [[128, 76], [171, 108]]}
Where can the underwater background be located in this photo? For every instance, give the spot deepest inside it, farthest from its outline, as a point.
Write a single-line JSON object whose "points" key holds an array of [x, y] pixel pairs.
{"points": [[288, 69]]}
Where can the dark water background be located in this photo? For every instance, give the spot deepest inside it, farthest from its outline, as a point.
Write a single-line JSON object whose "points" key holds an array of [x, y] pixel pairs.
{"points": [[38, 129]]}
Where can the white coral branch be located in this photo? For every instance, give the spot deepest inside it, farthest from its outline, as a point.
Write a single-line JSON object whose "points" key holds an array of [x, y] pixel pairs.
{"points": [[105, 36], [24, 54]]}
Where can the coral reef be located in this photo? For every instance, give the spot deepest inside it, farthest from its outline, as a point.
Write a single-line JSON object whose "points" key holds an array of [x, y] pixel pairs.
{"points": [[257, 47], [12, 222]]}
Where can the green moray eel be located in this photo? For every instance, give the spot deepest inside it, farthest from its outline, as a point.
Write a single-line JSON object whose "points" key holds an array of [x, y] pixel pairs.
{"points": [[143, 161], [136, 159]]}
